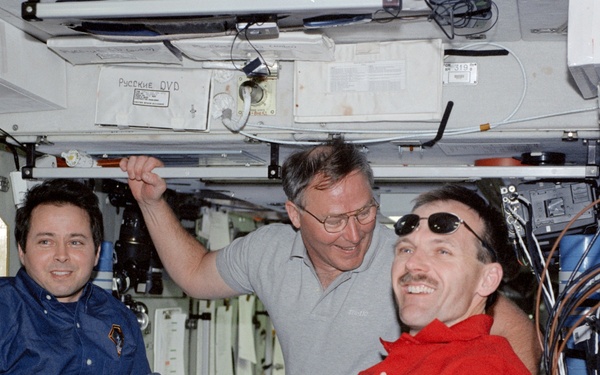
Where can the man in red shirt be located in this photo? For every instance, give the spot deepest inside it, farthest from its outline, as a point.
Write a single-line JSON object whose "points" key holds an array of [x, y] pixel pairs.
{"points": [[448, 264]]}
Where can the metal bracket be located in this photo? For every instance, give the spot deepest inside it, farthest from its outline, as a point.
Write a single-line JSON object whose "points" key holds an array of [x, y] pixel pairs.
{"points": [[29, 10], [27, 170], [410, 147], [274, 170], [562, 29], [592, 150]]}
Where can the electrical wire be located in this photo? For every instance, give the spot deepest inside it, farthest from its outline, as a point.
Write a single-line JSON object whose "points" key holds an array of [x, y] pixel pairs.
{"points": [[235, 37], [460, 14], [244, 30], [536, 260], [236, 126], [548, 341], [578, 287], [570, 299], [410, 134], [415, 132], [547, 288], [394, 15], [558, 348], [521, 67]]}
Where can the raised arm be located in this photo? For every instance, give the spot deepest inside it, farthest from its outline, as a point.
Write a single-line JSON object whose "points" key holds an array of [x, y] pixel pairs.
{"points": [[512, 322], [188, 263]]}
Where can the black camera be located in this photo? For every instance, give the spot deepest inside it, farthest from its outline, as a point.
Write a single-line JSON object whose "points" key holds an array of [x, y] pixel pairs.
{"points": [[138, 265]]}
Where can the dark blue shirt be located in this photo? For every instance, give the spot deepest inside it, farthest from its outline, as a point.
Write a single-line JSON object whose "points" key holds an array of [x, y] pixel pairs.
{"points": [[40, 335]]}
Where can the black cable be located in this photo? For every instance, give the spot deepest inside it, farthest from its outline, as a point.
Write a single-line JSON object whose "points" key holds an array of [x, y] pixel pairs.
{"points": [[490, 27], [435, 19], [13, 149], [460, 14], [480, 53], [231, 51], [7, 134], [395, 15], [260, 56]]}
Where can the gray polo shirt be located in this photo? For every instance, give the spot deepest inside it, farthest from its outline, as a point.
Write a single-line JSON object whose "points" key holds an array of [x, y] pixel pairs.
{"points": [[333, 331]]}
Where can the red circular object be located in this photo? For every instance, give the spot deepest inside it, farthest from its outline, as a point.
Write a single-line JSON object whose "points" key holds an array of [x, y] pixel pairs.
{"points": [[498, 162]]}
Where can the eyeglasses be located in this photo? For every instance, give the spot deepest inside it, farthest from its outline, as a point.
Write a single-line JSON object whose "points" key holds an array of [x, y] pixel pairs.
{"points": [[440, 223], [337, 223]]}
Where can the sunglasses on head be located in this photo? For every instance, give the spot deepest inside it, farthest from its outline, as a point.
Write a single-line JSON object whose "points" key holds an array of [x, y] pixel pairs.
{"points": [[440, 223]]}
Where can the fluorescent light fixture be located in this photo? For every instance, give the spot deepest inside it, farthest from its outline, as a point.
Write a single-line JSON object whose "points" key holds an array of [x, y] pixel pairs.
{"points": [[470, 173], [32, 10], [381, 173]]}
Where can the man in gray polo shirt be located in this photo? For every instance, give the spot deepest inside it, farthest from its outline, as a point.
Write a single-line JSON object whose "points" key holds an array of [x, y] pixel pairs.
{"points": [[325, 281]]}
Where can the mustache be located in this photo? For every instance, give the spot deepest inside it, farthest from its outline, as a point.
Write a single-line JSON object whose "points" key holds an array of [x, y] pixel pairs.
{"points": [[419, 277]]}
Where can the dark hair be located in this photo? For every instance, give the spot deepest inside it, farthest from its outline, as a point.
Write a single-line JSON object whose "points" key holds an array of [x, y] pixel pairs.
{"points": [[495, 228], [59, 192], [333, 160]]}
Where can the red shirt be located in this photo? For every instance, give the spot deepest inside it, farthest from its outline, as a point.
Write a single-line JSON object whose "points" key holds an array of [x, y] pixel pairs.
{"points": [[465, 348]]}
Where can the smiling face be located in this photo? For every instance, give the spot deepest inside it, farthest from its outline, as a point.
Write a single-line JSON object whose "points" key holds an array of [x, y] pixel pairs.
{"points": [[438, 275], [334, 253], [60, 253]]}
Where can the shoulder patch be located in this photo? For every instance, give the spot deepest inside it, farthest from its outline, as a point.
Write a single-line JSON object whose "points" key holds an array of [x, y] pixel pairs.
{"points": [[116, 336]]}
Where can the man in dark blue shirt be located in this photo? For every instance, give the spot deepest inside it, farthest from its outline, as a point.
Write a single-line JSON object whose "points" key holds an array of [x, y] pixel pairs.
{"points": [[54, 320]]}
